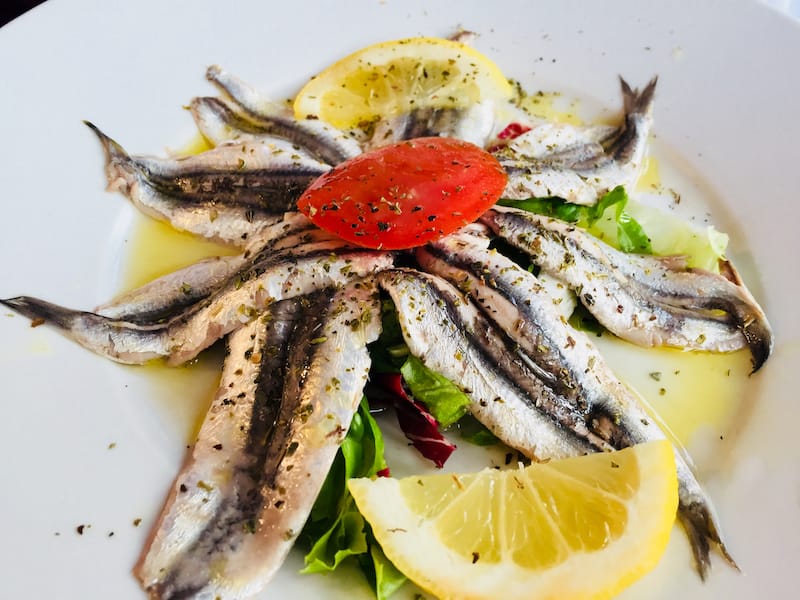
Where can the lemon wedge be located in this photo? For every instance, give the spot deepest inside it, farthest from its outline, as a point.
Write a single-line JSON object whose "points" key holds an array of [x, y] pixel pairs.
{"points": [[394, 77], [576, 528]]}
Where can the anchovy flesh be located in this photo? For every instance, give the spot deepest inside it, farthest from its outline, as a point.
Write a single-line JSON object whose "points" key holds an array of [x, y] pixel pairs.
{"points": [[647, 300], [580, 166], [284, 274], [291, 383], [259, 174], [452, 337], [254, 113]]}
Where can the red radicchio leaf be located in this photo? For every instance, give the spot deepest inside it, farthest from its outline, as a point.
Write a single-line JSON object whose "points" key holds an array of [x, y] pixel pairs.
{"points": [[511, 131], [417, 424]]}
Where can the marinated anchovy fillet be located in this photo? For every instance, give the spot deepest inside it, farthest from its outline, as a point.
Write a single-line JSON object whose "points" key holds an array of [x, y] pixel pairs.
{"points": [[568, 364], [231, 225], [647, 300], [253, 179], [219, 122], [452, 337], [253, 113], [217, 497], [291, 382], [280, 275], [473, 124], [166, 296], [580, 165]]}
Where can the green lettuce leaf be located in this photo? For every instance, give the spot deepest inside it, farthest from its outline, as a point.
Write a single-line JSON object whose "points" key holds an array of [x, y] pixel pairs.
{"points": [[380, 571], [441, 396], [475, 432], [344, 538], [335, 530], [616, 227], [635, 227], [389, 351], [702, 245]]}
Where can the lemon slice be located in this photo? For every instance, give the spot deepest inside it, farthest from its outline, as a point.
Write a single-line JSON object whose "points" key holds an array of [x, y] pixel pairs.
{"points": [[391, 78], [577, 528]]}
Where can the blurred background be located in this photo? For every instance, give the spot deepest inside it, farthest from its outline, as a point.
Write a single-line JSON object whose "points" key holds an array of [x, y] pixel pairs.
{"points": [[10, 9]]}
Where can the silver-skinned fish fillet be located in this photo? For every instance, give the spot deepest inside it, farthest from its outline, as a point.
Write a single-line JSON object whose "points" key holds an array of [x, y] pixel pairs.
{"points": [[252, 112], [164, 298], [580, 168], [647, 300], [280, 275], [219, 122], [291, 383], [569, 364], [227, 194], [452, 337], [474, 124]]}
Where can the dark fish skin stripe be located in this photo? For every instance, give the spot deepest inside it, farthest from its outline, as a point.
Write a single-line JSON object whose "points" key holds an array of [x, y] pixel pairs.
{"points": [[567, 413], [501, 355], [288, 130], [261, 263], [423, 122], [297, 361], [284, 127], [225, 529], [249, 121], [273, 190], [693, 297], [553, 368], [545, 372], [231, 118], [265, 422], [179, 299], [164, 314]]}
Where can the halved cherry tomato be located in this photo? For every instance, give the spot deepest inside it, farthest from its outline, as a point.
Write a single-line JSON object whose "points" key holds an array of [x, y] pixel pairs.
{"points": [[405, 194]]}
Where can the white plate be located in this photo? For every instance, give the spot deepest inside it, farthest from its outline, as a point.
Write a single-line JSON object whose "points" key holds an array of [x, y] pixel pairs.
{"points": [[726, 113]]}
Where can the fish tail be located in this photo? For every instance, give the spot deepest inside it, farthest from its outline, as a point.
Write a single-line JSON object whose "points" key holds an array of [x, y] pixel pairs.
{"points": [[214, 73], [121, 169], [632, 137], [749, 318], [41, 311], [701, 528], [248, 99], [117, 340], [231, 86], [758, 336], [636, 102], [114, 152]]}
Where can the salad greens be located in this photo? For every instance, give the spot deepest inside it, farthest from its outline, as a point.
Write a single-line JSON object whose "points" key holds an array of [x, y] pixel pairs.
{"points": [[335, 530], [635, 227], [627, 235], [670, 234], [441, 396]]}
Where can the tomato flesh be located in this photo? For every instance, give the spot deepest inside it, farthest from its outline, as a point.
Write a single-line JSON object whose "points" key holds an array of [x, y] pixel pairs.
{"points": [[405, 194]]}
